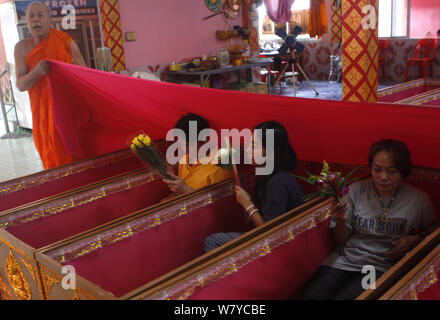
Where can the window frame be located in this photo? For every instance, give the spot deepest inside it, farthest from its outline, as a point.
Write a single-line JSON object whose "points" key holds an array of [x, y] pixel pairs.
{"points": [[392, 21], [269, 38]]}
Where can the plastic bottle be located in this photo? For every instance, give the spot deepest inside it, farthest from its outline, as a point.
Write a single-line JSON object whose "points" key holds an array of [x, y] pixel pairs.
{"points": [[247, 49]]}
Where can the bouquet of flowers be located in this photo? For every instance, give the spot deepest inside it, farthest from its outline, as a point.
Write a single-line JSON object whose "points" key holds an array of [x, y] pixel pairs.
{"points": [[331, 184], [225, 159], [147, 152]]}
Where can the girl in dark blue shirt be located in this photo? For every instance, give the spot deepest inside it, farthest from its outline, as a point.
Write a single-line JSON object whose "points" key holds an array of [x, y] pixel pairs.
{"points": [[275, 193]]}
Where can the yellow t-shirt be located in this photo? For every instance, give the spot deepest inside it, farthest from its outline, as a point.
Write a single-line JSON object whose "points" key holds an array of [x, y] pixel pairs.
{"points": [[200, 175]]}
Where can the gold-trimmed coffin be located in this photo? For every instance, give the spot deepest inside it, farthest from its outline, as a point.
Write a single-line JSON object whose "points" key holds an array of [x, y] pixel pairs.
{"points": [[416, 283], [40, 185], [207, 201], [420, 92], [30, 274], [234, 258]]}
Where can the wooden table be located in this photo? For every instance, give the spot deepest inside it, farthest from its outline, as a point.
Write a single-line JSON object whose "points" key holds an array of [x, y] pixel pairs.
{"points": [[204, 75]]}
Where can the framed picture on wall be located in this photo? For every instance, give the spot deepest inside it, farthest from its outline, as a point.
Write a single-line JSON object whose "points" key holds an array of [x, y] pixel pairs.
{"points": [[268, 26], [213, 5]]}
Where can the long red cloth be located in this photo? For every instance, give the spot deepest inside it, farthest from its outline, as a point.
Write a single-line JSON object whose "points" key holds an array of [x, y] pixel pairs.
{"points": [[98, 112]]}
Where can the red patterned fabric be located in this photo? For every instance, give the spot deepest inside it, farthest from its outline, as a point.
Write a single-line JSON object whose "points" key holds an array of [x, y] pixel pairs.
{"points": [[112, 29], [432, 293], [98, 112]]}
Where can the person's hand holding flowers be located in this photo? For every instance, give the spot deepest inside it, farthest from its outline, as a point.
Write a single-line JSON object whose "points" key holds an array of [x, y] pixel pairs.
{"points": [[177, 184]]}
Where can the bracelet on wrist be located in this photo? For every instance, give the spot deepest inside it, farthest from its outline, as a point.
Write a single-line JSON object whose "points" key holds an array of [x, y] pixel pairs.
{"points": [[252, 213], [250, 207]]}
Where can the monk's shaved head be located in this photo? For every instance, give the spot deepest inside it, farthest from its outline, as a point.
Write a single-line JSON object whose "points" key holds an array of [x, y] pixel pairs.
{"points": [[39, 5], [39, 20]]}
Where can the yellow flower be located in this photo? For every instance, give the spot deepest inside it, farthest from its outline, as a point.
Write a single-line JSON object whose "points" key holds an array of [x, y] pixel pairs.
{"points": [[140, 141], [136, 141], [146, 140]]}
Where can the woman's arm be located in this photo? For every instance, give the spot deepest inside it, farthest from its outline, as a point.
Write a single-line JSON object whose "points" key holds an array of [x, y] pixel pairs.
{"points": [[245, 200], [340, 230], [429, 222], [403, 245]]}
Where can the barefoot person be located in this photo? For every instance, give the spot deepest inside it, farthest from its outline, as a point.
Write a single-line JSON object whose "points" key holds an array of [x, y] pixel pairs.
{"points": [[31, 68]]}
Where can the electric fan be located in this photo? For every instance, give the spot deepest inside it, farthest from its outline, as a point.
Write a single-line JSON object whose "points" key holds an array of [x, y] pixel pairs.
{"points": [[295, 48], [290, 40]]}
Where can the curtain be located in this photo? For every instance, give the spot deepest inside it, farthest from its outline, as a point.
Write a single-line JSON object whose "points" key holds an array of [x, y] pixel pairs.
{"points": [[98, 112], [317, 18], [279, 10]]}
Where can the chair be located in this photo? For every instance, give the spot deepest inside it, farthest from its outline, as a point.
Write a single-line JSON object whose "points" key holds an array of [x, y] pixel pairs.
{"points": [[429, 47], [274, 75], [383, 49]]}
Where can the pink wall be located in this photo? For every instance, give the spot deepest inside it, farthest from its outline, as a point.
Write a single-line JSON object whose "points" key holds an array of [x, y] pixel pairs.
{"points": [[169, 30], [425, 16]]}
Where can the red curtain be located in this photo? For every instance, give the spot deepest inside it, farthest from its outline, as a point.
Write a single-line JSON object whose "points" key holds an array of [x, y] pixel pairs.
{"points": [[98, 112], [279, 10]]}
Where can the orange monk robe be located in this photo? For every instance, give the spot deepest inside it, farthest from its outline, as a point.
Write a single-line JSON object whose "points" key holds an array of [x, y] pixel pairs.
{"points": [[317, 18], [47, 140], [200, 175]]}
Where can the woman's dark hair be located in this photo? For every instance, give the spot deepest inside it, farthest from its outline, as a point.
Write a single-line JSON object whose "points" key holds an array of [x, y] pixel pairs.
{"points": [[284, 156], [438, 32], [399, 151], [183, 124]]}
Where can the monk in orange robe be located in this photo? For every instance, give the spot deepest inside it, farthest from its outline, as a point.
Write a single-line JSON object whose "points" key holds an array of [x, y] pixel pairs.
{"points": [[31, 69]]}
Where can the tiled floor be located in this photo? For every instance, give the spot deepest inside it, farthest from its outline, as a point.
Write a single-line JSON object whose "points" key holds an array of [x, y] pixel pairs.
{"points": [[325, 89], [18, 157]]}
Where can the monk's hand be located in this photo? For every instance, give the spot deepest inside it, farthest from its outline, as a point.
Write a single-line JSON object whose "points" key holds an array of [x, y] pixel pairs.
{"points": [[42, 67], [177, 184], [242, 197], [402, 246]]}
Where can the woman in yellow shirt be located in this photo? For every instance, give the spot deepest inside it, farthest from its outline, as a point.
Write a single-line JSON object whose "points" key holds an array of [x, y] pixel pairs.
{"points": [[194, 176]]}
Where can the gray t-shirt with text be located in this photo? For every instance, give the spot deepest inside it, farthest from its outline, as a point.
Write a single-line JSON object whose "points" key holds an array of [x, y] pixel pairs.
{"points": [[371, 239]]}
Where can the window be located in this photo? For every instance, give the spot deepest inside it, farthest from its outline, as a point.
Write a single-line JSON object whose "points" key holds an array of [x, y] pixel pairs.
{"points": [[300, 16], [393, 18]]}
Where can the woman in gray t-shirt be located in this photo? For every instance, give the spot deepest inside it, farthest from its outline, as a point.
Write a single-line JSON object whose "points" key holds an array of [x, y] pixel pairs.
{"points": [[384, 219]]}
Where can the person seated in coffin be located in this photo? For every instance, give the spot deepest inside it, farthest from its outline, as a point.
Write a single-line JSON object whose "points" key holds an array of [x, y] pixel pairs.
{"points": [[383, 218], [274, 193], [194, 176]]}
